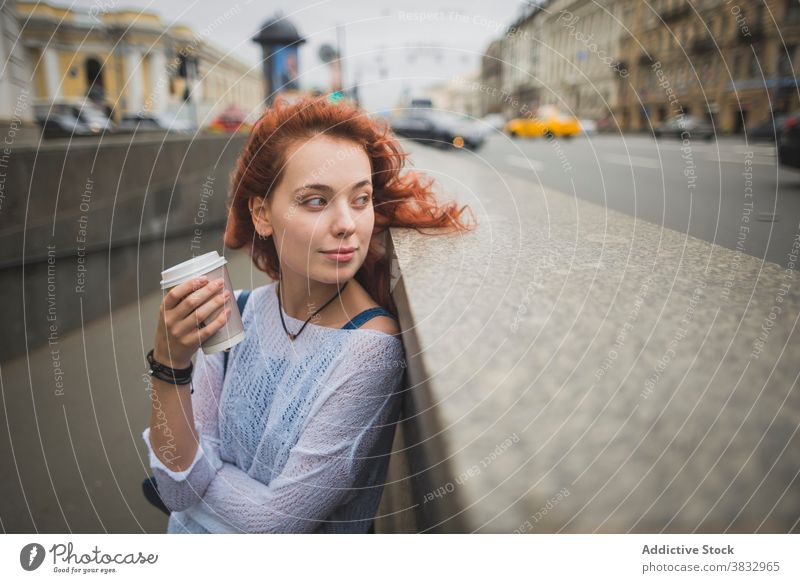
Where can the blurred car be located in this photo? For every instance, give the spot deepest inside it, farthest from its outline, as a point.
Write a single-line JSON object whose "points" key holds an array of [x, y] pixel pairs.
{"points": [[149, 122], [606, 124], [693, 127], [231, 120], [422, 102], [769, 130], [414, 125], [548, 122], [588, 126], [64, 118], [789, 142], [441, 127], [496, 121]]}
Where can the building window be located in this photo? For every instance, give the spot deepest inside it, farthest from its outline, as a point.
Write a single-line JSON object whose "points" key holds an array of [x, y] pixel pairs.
{"points": [[756, 67], [792, 10], [736, 66], [759, 16], [95, 87], [784, 61]]}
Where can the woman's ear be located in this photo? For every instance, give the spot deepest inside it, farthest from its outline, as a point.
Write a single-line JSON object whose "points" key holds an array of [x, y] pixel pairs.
{"points": [[259, 211]]}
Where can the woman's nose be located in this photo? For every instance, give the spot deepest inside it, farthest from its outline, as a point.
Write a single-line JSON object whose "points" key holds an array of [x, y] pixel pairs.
{"points": [[344, 220]]}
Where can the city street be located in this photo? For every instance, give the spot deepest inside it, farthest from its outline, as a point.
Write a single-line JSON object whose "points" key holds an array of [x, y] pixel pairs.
{"points": [[559, 323], [642, 177]]}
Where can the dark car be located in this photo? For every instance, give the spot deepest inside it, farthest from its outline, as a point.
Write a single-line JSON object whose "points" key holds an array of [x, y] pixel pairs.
{"points": [[66, 118], [440, 128], [769, 130], [685, 127], [789, 142]]}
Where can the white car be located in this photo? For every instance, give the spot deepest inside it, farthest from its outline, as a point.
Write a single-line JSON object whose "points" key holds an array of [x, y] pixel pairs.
{"points": [[588, 126], [158, 122], [495, 121]]}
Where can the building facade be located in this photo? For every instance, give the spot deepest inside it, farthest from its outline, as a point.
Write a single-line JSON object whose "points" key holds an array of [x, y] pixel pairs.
{"points": [[582, 68], [638, 64], [491, 76], [15, 73], [732, 62], [459, 95], [520, 50], [130, 62]]}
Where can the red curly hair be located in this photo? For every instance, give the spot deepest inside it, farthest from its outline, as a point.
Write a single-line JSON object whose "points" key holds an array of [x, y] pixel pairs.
{"points": [[399, 200]]}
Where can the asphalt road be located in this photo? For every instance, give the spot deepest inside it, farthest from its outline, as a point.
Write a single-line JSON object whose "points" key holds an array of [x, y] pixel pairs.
{"points": [[739, 198]]}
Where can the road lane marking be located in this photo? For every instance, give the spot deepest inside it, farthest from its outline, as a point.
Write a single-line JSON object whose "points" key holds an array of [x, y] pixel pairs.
{"points": [[763, 150], [736, 160], [624, 160], [526, 163]]}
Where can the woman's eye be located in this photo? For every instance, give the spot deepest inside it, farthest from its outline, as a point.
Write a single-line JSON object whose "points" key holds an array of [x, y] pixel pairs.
{"points": [[315, 198], [365, 198]]}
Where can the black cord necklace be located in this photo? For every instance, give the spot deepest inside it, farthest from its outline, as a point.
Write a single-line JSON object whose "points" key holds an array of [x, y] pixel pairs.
{"points": [[280, 310]]}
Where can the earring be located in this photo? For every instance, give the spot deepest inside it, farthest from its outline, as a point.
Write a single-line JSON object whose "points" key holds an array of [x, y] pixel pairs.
{"points": [[260, 236]]}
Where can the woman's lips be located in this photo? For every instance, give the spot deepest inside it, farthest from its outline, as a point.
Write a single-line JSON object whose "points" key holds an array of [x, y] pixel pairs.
{"points": [[340, 256]]}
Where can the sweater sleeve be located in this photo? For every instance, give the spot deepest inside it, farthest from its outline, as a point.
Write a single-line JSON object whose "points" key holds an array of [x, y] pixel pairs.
{"points": [[348, 428], [180, 490]]}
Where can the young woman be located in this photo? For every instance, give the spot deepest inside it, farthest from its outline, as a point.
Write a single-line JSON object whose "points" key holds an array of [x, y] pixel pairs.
{"points": [[294, 433]]}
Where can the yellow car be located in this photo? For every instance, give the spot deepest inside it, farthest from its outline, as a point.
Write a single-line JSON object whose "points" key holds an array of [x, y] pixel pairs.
{"points": [[548, 121]]}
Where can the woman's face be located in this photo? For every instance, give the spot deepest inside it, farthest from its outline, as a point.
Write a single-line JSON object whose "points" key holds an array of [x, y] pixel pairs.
{"points": [[322, 203]]}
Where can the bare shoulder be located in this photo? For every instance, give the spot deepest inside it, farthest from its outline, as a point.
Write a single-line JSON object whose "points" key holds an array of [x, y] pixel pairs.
{"points": [[382, 324]]}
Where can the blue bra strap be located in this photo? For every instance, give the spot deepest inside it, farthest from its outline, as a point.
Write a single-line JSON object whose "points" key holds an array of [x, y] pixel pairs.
{"points": [[366, 316], [240, 301]]}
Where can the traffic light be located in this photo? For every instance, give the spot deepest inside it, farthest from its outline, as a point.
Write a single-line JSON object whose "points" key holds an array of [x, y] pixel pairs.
{"points": [[335, 97]]}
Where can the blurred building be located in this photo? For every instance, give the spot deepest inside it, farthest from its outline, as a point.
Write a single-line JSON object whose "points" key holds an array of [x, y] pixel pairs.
{"points": [[491, 75], [15, 73], [520, 50], [451, 95], [641, 63], [732, 62], [581, 66], [561, 52], [131, 62]]}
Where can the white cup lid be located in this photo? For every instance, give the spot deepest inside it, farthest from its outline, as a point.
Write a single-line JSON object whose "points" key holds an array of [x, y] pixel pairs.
{"points": [[191, 268]]}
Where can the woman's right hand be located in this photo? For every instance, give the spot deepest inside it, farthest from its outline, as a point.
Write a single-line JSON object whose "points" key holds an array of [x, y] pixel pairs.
{"points": [[183, 309]]}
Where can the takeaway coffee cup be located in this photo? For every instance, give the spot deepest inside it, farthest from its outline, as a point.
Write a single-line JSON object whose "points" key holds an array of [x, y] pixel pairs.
{"points": [[213, 267]]}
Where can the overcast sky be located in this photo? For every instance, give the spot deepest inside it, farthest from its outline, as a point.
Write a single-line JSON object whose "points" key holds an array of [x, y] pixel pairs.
{"points": [[386, 43]]}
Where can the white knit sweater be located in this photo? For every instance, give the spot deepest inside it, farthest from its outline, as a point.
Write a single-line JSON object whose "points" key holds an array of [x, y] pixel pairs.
{"points": [[297, 437]]}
